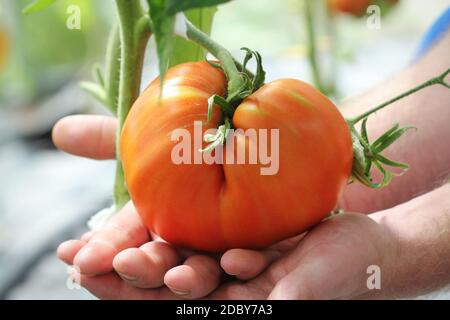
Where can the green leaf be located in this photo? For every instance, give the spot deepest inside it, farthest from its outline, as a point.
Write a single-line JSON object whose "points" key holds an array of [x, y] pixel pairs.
{"points": [[389, 138], [387, 175], [175, 6], [186, 51], [365, 138], [394, 164], [363, 179], [247, 58], [95, 90], [173, 50], [37, 5], [163, 28], [260, 75]]}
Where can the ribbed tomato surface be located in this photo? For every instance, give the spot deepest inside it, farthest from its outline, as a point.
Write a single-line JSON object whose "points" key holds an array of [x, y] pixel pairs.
{"points": [[215, 207]]}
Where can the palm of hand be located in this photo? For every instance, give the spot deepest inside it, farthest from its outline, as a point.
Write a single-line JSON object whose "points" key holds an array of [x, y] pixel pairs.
{"points": [[330, 262]]}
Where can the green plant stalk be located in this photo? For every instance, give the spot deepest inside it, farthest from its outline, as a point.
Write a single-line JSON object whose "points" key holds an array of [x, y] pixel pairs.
{"points": [[112, 71], [437, 80], [235, 79], [134, 35], [312, 50], [332, 35]]}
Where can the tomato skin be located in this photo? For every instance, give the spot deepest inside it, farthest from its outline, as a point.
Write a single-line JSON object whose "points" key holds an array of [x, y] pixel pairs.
{"points": [[353, 7], [358, 8], [3, 47], [217, 207]]}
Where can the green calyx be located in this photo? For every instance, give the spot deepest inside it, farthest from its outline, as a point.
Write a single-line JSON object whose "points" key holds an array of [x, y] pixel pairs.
{"points": [[367, 155], [241, 82], [250, 83], [217, 139]]}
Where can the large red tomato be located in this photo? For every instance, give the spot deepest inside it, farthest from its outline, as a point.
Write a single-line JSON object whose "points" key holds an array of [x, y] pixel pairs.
{"points": [[215, 207]]}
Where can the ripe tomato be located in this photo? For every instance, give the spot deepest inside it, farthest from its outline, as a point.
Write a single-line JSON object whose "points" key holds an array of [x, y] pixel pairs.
{"points": [[3, 47], [215, 207], [358, 7]]}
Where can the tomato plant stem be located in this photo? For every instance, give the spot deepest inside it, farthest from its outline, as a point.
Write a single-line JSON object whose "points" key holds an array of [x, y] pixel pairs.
{"points": [[134, 35], [332, 34], [235, 80], [437, 80], [367, 154], [312, 52], [112, 71]]}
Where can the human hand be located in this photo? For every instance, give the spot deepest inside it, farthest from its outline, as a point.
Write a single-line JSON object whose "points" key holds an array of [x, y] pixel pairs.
{"points": [[123, 260]]}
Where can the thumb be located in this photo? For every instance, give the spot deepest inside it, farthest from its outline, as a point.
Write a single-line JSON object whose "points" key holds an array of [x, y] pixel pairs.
{"points": [[340, 268], [322, 278]]}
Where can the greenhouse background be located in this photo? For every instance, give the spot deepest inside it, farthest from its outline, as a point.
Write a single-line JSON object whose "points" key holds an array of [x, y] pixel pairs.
{"points": [[47, 196]]}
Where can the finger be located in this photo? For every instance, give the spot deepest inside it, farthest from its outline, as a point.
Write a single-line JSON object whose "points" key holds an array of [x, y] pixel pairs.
{"points": [[68, 249], [288, 244], [199, 276], [247, 264], [124, 230], [110, 286], [239, 290], [146, 266], [87, 236], [86, 135]]}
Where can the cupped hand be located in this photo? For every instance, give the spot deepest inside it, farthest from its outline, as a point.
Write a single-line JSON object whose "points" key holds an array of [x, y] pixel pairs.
{"points": [[123, 261]]}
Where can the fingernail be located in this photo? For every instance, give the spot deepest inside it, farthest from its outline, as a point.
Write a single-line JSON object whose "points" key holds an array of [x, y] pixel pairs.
{"points": [[180, 293], [127, 277], [233, 274]]}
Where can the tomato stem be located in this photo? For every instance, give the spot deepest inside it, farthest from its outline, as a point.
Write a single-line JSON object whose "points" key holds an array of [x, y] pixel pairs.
{"points": [[112, 70], [134, 35], [437, 80], [312, 49], [241, 82], [312, 52], [235, 79], [366, 154]]}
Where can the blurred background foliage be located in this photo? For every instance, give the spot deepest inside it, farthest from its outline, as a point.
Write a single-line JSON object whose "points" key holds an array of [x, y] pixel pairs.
{"points": [[42, 54]]}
